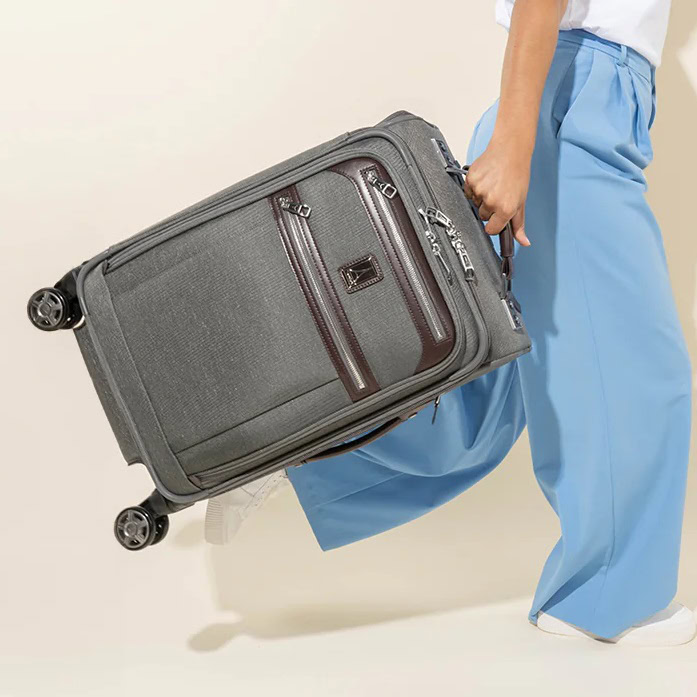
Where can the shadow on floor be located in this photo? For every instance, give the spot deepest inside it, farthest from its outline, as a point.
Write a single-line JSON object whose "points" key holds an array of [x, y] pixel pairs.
{"points": [[466, 553]]}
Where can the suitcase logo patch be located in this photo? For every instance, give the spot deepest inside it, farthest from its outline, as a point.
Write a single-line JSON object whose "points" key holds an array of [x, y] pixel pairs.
{"points": [[361, 273]]}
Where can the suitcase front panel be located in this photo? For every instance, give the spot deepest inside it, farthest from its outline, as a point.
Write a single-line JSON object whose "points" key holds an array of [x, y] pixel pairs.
{"points": [[240, 327], [397, 237], [275, 321], [373, 324]]}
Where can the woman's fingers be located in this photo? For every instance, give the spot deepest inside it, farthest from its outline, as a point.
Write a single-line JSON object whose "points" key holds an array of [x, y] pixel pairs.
{"points": [[496, 218], [485, 212], [469, 193], [518, 225], [472, 194], [496, 223]]}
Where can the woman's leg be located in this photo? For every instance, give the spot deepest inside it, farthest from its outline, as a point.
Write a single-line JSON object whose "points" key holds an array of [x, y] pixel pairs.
{"points": [[607, 385], [605, 390]]}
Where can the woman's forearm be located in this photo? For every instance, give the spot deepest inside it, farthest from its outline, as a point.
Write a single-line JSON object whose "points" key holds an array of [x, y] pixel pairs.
{"points": [[498, 179], [531, 42]]}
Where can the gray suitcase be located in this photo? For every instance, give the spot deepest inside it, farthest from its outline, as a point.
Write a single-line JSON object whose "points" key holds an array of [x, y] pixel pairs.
{"points": [[296, 315]]}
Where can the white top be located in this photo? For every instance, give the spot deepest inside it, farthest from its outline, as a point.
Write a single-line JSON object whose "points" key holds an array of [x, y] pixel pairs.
{"points": [[640, 24]]}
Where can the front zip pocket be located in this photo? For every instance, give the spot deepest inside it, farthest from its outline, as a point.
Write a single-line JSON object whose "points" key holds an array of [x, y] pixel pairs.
{"points": [[320, 294], [386, 192], [395, 231]]}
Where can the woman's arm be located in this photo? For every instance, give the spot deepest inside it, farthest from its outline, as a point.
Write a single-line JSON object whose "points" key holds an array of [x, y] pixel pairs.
{"points": [[498, 180]]}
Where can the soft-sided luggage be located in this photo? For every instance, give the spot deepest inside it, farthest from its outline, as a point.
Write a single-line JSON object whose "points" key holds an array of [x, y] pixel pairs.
{"points": [[295, 315]]}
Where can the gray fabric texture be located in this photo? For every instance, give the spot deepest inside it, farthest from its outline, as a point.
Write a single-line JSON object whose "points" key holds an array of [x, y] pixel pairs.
{"points": [[128, 447], [227, 334], [265, 429], [127, 387]]}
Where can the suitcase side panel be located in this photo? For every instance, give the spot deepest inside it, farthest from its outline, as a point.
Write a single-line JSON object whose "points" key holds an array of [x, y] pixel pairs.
{"points": [[107, 338], [116, 418]]}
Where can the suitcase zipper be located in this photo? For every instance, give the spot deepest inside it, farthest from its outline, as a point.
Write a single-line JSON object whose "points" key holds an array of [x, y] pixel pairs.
{"points": [[385, 188], [436, 217], [436, 250], [300, 209], [319, 291], [389, 191]]}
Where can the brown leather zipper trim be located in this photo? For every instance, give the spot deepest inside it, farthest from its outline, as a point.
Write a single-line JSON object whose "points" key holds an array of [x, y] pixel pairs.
{"points": [[433, 351], [327, 311]]}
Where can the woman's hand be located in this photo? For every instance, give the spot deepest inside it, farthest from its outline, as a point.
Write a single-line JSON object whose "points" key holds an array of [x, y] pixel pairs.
{"points": [[497, 183]]}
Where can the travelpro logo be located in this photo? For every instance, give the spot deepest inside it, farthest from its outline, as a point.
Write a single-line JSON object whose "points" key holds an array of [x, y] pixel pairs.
{"points": [[360, 273]]}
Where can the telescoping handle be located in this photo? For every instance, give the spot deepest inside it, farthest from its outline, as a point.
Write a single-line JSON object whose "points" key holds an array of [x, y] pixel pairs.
{"points": [[505, 236]]}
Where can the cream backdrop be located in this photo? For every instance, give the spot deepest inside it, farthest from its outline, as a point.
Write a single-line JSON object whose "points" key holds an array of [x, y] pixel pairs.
{"points": [[116, 114]]}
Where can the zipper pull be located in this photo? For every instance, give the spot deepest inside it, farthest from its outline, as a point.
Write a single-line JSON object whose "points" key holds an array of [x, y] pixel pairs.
{"points": [[385, 188], [300, 209], [435, 248], [436, 404], [448, 273], [437, 217], [465, 260]]}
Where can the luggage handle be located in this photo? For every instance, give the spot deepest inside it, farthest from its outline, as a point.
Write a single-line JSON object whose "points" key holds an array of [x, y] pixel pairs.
{"points": [[369, 437], [505, 236]]}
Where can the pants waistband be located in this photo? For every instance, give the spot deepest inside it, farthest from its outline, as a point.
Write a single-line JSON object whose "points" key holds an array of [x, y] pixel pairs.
{"points": [[621, 53]]}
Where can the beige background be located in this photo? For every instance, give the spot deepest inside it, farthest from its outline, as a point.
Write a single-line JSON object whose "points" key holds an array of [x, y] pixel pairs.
{"points": [[115, 114]]}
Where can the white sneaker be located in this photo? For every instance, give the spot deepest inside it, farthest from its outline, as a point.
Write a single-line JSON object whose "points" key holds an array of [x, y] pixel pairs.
{"points": [[670, 627], [226, 513]]}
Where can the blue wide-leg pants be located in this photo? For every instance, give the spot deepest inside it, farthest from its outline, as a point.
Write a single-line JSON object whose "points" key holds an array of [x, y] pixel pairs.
{"points": [[605, 392]]}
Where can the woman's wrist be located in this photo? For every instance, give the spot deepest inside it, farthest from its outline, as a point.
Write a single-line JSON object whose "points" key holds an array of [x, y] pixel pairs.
{"points": [[516, 143]]}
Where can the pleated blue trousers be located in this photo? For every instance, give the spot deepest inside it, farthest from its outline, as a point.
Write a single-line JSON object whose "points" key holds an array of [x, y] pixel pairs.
{"points": [[605, 392]]}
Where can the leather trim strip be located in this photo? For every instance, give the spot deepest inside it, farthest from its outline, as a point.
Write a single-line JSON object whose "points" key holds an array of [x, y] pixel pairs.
{"points": [[433, 351], [327, 311]]}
